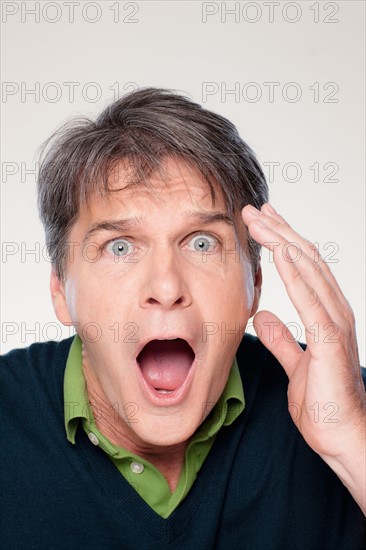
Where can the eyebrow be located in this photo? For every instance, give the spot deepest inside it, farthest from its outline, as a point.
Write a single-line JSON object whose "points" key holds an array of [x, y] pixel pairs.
{"points": [[125, 224], [210, 217]]}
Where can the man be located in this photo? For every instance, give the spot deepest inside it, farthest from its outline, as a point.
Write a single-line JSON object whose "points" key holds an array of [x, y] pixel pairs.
{"points": [[161, 424]]}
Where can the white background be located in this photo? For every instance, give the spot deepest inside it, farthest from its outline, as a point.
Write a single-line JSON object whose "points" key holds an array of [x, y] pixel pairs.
{"points": [[192, 47]]}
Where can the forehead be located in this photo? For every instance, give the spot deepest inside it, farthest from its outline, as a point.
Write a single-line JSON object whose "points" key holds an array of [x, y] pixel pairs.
{"points": [[175, 181]]}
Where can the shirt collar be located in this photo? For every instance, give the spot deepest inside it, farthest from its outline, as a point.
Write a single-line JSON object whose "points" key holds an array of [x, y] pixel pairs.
{"points": [[76, 402]]}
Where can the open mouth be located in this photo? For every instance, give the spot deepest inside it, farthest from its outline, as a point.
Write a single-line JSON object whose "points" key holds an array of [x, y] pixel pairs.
{"points": [[165, 365]]}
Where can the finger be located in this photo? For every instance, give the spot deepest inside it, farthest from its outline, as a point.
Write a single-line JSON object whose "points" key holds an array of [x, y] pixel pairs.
{"points": [[279, 225], [275, 220], [310, 292], [278, 340], [282, 227]]}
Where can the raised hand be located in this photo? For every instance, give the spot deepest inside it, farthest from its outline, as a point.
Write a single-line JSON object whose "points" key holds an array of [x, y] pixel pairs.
{"points": [[326, 395]]}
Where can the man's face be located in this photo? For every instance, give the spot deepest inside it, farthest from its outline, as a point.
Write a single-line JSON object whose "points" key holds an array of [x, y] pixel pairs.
{"points": [[173, 271]]}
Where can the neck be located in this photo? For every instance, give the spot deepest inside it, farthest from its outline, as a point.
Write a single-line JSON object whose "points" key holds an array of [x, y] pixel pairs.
{"points": [[168, 459]]}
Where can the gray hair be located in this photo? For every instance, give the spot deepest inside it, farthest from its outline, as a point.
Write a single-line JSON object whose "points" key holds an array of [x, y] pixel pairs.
{"points": [[142, 128]]}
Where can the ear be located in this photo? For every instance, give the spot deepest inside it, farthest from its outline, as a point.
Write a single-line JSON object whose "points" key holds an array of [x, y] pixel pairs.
{"points": [[59, 299], [257, 290]]}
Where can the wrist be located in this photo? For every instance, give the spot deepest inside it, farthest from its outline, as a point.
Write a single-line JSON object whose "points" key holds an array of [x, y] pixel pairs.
{"points": [[350, 465]]}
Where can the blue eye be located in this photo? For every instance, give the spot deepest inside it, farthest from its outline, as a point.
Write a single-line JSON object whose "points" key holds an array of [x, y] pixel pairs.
{"points": [[120, 247], [204, 243]]}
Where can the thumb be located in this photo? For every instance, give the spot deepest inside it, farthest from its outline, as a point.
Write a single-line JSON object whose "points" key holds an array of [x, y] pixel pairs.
{"points": [[278, 340]]}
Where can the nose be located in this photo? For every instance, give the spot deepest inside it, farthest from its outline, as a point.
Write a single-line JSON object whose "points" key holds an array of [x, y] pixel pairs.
{"points": [[165, 282]]}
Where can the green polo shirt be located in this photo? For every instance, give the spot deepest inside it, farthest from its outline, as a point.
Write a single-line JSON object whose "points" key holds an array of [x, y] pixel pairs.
{"points": [[140, 473]]}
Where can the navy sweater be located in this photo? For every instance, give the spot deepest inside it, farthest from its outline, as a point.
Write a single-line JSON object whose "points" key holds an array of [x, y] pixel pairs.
{"points": [[261, 486]]}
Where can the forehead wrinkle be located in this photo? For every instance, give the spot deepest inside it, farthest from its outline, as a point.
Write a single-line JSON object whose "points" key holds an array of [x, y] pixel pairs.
{"points": [[177, 171], [171, 173], [122, 224]]}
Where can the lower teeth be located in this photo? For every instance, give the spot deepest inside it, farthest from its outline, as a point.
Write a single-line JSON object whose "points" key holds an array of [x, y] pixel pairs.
{"points": [[165, 391]]}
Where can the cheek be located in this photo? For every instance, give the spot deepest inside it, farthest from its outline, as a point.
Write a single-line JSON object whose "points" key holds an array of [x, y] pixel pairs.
{"points": [[225, 311], [89, 300], [238, 288]]}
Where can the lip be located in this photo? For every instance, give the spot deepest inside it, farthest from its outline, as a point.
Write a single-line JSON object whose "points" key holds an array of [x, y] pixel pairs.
{"points": [[176, 396]]}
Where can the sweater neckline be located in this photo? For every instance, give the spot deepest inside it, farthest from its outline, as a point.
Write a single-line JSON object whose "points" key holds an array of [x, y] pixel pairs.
{"points": [[203, 492]]}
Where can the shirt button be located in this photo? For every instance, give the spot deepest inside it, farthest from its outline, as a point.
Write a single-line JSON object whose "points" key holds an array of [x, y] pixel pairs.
{"points": [[93, 438], [137, 468]]}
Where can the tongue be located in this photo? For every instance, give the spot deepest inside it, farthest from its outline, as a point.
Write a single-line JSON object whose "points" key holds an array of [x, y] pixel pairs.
{"points": [[165, 363]]}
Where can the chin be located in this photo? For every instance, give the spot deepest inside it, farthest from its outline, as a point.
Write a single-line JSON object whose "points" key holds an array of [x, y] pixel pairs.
{"points": [[166, 430]]}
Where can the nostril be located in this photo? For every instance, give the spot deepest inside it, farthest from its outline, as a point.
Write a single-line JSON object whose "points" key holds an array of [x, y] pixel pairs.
{"points": [[154, 301]]}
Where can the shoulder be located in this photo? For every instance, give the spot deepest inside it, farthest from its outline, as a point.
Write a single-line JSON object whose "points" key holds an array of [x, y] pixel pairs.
{"points": [[36, 352], [31, 392], [36, 361]]}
